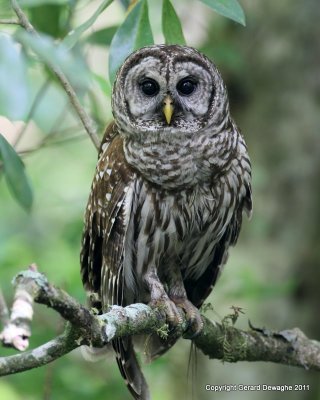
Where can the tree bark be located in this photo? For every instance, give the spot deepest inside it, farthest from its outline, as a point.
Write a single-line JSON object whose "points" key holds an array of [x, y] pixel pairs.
{"points": [[217, 340]]}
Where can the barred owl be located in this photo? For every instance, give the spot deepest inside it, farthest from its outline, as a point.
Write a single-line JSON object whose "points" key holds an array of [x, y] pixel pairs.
{"points": [[171, 183]]}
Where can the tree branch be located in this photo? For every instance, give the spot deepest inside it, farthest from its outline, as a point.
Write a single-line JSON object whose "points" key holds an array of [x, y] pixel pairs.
{"points": [[217, 340], [38, 357], [84, 117], [290, 347]]}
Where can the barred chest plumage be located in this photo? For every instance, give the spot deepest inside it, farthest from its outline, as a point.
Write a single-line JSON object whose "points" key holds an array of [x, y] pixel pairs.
{"points": [[181, 203], [173, 161]]}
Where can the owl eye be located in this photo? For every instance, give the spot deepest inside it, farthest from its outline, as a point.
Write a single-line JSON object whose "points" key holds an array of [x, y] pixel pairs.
{"points": [[150, 87], [186, 86]]}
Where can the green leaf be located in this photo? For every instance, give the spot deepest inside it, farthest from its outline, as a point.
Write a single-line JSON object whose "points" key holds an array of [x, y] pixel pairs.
{"points": [[125, 4], [171, 25], [134, 33], [71, 39], [44, 47], [50, 19], [14, 102], [15, 175], [228, 8], [102, 37]]}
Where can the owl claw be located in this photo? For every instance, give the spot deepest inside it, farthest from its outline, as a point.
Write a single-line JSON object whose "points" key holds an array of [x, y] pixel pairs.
{"points": [[195, 323], [169, 308], [174, 318]]}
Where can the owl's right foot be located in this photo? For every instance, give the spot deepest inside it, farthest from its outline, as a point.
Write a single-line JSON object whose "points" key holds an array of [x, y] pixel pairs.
{"points": [[167, 306], [160, 300], [172, 304], [174, 316], [192, 313]]}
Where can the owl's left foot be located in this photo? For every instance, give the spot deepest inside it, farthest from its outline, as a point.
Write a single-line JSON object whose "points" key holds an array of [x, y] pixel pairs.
{"points": [[195, 323], [171, 301]]}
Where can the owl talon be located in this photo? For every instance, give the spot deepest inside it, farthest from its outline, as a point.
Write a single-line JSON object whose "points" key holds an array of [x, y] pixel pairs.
{"points": [[195, 323], [169, 308]]}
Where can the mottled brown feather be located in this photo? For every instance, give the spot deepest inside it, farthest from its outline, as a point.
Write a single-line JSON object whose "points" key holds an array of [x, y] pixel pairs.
{"points": [[166, 202]]}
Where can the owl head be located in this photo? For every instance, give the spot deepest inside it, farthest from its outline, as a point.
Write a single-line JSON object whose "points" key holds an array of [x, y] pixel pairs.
{"points": [[167, 90]]}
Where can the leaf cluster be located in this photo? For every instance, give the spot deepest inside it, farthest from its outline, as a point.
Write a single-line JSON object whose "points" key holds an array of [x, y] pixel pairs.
{"points": [[60, 44]]}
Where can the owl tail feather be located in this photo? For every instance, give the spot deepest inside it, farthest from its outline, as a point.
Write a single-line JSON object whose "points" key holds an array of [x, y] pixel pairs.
{"points": [[156, 347], [130, 368]]}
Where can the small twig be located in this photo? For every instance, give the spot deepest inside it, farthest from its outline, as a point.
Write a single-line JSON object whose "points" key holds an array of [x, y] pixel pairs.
{"points": [[73, 138], [84, 117], [32, 110], [9, 22], [45, 143], [42, 355], [63, 131], [23, 20]]}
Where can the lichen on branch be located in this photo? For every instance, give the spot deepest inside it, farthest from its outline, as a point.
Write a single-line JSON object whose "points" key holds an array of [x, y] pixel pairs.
{"points": [[217, 340]]}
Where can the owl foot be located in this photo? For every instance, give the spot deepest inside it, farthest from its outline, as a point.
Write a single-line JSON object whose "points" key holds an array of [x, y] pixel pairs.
{"points": [[164, 304], [159, 299], [193, 316], [171, 305]]}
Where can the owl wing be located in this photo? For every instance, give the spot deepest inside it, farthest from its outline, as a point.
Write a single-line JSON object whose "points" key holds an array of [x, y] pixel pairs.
{"points": [[103, 247], [103, 236]]}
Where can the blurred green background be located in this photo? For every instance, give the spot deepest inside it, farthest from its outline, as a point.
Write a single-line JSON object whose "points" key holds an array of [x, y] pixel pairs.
{"points": [[271, 68]]}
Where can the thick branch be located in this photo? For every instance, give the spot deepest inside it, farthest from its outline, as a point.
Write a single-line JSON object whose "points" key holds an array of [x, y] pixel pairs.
{"points": [[217, 340], [84, 117], [227, 343]]}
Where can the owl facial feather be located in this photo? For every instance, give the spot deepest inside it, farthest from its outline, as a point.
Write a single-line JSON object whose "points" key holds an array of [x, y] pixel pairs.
{"points": [[140, 115]]}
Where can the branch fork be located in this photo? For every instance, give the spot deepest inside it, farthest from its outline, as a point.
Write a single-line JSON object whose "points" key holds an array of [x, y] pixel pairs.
{"points": [[217, 340]]}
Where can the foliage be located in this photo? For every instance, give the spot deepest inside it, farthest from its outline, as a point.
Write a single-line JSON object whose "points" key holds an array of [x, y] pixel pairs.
{"points": [[13, 92], [228, 8], [271, 75], [61, 174], [14, 172], [73, 36], [171, 25], [134, 33]]}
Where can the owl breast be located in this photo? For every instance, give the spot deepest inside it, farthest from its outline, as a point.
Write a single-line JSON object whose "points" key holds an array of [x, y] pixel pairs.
{"points": [[163, 162], [174, 160], [177, 229], [185, 194]]}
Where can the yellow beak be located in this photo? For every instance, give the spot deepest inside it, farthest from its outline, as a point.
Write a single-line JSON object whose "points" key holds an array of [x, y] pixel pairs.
{"points": [[168, 108]]}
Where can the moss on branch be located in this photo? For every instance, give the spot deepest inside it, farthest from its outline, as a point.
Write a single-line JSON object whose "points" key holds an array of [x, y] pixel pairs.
{"points": [[217, 340]]}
